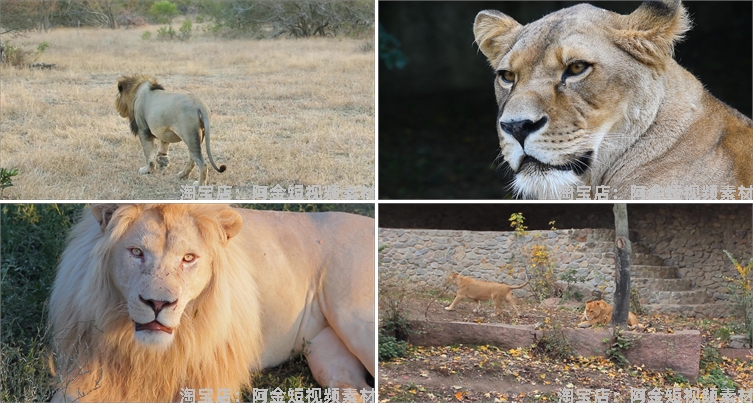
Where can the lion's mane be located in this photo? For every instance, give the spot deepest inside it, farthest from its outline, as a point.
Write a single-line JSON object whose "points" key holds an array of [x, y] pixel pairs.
{"points": [[95, 350], [124, 101]]}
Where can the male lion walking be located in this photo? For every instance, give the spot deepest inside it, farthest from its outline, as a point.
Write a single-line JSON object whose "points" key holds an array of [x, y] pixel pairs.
{"points": [[168, 117]]}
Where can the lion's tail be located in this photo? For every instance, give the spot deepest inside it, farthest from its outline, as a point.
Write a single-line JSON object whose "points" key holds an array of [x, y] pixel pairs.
{"points": [[515, 287], [205, 130]]}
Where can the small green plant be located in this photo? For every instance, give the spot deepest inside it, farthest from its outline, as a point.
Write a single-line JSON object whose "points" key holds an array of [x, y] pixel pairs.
{"points": [[570, 276], [22, 57], [146, 35], [723, 334], [742, 291], [716, 378], [553, 344], [516, 222], [185, 30], [165, 33], [673, 378], [620, 344], [391, 348], [6, 178], [635, 302], [710, 357]]}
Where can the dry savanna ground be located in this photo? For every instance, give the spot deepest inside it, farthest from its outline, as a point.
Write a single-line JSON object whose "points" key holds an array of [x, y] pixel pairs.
{"points": [[284, 111]]}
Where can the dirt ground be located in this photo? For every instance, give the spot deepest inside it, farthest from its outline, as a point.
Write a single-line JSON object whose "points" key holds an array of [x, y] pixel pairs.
{"points": [[293, 112], [471, 373]]}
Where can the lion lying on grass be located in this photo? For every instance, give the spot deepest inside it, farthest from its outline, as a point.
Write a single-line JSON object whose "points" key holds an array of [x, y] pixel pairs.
{"points": [[600, 312], [483, 291], [156, 115], [151, 299]]}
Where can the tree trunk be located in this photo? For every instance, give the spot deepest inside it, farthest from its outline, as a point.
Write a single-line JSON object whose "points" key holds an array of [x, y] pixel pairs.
{"points": [[622, 252]]}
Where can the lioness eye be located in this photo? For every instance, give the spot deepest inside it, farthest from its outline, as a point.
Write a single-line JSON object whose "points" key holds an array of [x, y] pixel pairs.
{"points": [[189, 257], [506, 76], [136, 252], [575, 69]]}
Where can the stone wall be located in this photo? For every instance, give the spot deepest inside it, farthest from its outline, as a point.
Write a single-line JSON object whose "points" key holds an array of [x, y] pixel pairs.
{"points": [[426, 257], [690, 237]]}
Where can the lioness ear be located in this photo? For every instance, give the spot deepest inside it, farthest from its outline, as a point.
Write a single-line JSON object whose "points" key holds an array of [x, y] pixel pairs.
{"points": [[231, 222], [650, 32], [495, 34], [103, 213]]}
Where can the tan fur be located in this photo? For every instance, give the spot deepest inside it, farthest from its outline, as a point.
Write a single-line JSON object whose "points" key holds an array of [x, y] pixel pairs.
{"points": [[240, 290], [478, 291], [632, 117], [156, 115], [600, 312]]}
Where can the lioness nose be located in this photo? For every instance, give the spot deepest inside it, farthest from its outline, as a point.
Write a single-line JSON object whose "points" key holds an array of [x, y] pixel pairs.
{"points": [[521, 129], [156, 305]]}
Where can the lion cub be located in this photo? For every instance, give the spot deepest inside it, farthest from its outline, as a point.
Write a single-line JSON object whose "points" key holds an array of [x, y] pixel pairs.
{"points": [[600, 312], [478, 291]]}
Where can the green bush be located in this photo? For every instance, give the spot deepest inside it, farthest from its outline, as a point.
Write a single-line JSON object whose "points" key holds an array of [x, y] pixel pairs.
{"points": [[185, 30], [673, 378], [33, 237], [146, 35], [165, 33], [716, 378], [164, 11], [391, 348]]}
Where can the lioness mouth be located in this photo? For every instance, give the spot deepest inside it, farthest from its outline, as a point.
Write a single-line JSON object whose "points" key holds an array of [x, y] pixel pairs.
{"points": [[153, 325], [578, 166]]}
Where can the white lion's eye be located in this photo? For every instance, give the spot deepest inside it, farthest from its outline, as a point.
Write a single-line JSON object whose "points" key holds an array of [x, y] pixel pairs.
{"points": [[189, 257], [136, 252]]}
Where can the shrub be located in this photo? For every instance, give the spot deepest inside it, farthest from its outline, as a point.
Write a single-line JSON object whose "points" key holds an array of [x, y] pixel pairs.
{"points": [[391, 348], [146, 35], [185, 30]]}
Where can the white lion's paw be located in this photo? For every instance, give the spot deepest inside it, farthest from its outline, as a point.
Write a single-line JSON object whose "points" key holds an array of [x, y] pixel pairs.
{"points": [[144, 170], [448, 309]]}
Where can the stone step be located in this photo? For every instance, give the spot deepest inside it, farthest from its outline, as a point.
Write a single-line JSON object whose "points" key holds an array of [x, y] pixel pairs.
{"points": [[609, 246], [677, 297], [661, 284], [646, 259], [697, 311], [644, 271]]}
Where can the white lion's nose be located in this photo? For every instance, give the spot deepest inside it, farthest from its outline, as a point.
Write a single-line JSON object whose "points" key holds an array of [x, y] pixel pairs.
{"points": [[157, 305]]}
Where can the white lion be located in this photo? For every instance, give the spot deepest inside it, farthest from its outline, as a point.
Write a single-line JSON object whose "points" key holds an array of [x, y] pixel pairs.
{"points": [[151, 299]]}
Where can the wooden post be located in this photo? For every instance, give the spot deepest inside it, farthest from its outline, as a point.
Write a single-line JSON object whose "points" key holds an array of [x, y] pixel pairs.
{"points": [[623, 251]]}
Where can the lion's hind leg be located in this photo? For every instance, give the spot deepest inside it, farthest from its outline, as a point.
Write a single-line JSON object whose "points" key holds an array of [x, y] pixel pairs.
{"points": [[332, 364], [186, 169], [195, 152], [510, 299]]}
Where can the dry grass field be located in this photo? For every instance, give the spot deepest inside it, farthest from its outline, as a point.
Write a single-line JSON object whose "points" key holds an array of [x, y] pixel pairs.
{"points": [[284, 111]]}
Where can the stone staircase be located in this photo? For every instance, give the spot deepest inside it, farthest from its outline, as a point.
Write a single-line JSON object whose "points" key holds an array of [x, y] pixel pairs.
{"points": [[662, 291]]}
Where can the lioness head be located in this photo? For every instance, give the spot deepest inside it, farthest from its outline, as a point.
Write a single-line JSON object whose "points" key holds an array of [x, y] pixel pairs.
{"points": [[576, 88], [594, 309], [161, 259]]}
